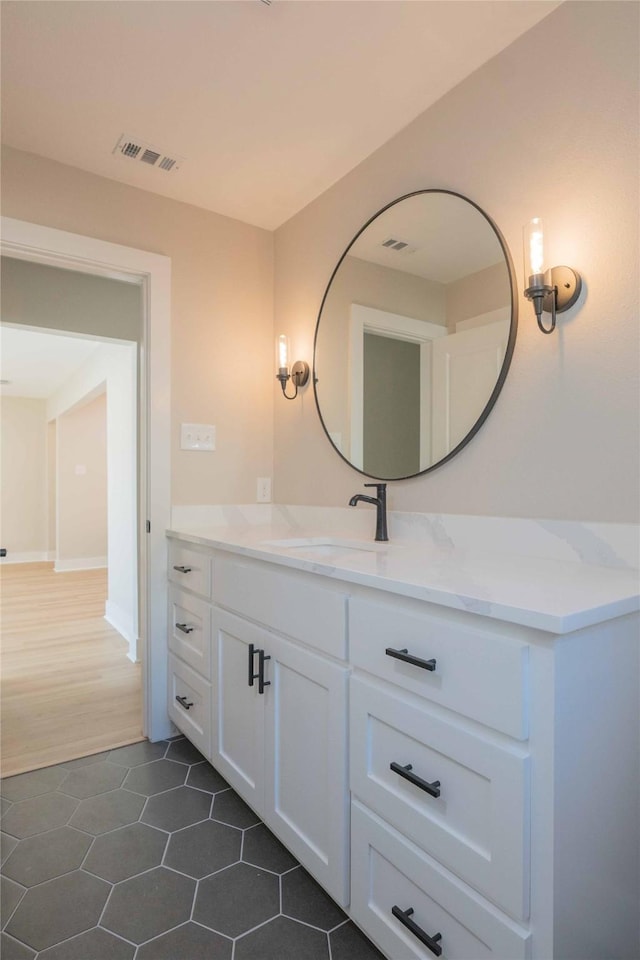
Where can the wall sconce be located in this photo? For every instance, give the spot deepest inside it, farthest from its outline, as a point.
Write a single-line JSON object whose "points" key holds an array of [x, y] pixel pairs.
{"points": [[299, 371], [552, 291]]}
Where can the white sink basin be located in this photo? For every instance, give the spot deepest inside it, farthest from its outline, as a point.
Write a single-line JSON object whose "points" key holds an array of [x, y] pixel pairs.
{"points": [[323, 546]]}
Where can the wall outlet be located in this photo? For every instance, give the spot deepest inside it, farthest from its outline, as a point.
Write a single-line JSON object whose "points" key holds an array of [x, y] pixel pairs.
{"points": [[264, 490], [197, 436]]}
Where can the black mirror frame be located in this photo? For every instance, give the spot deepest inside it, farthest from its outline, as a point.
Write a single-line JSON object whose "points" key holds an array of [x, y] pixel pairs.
{"points": [[513, 329]]}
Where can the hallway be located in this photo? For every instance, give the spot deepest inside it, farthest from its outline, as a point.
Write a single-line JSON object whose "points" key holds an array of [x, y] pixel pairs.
{"points": [[68, 688]]}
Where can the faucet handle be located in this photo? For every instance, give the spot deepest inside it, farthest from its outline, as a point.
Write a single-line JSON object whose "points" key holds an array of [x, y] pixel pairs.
{"points": [[380, 487]]}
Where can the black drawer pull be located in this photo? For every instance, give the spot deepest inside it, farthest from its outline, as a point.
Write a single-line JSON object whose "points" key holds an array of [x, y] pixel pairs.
{"points": [[404, 916], [259, 676], [185, 627], [408, 658], [252, 676], [184, 702], [262, 683], [433, 789], [183, 569]]}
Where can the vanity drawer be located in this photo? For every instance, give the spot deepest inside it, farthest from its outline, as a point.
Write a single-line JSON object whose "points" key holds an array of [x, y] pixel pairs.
{"points": [[193, 715], [289, 602], [190, 568], [190, 630], [478, 674], [470, 808], [388, 871]]}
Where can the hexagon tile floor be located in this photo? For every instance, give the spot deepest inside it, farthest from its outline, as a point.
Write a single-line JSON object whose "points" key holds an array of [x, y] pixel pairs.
{"points": [[146, 853]]}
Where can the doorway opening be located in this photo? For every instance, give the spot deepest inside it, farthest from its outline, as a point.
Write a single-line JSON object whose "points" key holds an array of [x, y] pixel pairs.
{"points": [[151, 273], [71, 683]]}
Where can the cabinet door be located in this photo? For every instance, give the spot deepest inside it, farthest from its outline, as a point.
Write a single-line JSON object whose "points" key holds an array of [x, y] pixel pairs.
{"points": [[237, 710], [306, 792]]}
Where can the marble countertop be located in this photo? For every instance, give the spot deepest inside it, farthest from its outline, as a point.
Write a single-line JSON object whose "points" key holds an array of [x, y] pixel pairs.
{"points": [[546, 593]]}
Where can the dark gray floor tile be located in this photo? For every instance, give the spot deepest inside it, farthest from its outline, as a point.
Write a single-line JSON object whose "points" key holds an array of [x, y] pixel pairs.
{"points": [[123, 853], [177, 808], [303, 899], [237, 899], [189, 941], [33, 784], [137, 753], [205, 777], [4, 806], [148, 905], [28, 817], [184, 751], [7, 846], [92, 780], [11, 894], [107, 812], [59, 909], [283, 939], [203, 848], [47, 855], [263, 850], [349, 943], [85, 761], [10, 949], [94, 944], [229, 808], [155, 777]]}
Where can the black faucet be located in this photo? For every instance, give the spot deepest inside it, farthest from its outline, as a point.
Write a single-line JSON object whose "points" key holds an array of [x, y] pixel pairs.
{"points": [[380, 503]]}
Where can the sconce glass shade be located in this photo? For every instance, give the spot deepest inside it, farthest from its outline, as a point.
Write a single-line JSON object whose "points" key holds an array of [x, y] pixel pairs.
{"points": [[282, 353], [533, 250]]}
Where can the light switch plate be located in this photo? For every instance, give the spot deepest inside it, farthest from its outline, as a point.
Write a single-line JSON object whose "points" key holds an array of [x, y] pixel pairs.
{"points": [[197, 436]]}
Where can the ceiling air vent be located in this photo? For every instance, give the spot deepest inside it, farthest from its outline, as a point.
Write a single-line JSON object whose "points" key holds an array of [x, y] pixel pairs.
{"points": [[401, 246], [136, 149]]}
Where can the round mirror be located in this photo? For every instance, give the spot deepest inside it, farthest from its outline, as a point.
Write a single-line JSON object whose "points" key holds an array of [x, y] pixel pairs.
{"points": [[415, 335]]}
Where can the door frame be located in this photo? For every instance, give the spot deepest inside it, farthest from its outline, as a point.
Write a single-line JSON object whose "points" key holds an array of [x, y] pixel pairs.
{"points": [[363, 320], [71, 251]]}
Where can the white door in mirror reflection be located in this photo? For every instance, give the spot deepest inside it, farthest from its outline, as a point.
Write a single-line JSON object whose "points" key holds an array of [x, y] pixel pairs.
{"points": [[416, 390], [466, 366], [390, 391]]}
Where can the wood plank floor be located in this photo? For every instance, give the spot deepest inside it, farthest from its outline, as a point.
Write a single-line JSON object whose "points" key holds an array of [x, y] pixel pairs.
{"points": [[67, 688]]}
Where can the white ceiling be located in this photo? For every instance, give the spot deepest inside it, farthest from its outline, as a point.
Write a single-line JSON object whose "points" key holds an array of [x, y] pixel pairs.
{"points": [[269, 105], [37, 364], [446, 238]]}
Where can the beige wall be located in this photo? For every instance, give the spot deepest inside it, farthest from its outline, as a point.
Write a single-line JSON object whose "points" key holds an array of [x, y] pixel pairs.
{"points": [[222, 311], [82, 482], [23, 480], [480, 292], [547, 128]]}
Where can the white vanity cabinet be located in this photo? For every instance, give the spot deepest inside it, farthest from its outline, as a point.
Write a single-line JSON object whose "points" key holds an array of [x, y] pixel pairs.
{"points": [[494, 780], [268, 710], [465, 786]]}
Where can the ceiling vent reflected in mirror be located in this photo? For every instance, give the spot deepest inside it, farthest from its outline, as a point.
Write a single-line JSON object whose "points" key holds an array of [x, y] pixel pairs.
{"points": [[400, 246], [135, 149]]}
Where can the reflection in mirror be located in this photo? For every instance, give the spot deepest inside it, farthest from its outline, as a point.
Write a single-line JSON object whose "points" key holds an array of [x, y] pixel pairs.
{"points": [[415, 335]]}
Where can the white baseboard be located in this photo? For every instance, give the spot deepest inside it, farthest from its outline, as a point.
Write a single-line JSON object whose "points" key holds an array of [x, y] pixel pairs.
{"points": [[121, 621], [29, 556], [79, 563]]}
